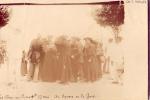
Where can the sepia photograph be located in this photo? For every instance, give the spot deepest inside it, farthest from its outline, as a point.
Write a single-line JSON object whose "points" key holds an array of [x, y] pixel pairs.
{"points": [[71, 51]]}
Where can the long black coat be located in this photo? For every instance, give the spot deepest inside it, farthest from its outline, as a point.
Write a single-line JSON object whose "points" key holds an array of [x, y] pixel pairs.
{"points": [[90, 62], [49, 66]]}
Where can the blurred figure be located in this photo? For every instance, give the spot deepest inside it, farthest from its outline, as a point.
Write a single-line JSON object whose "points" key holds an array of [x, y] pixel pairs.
{"points": [[76, 58], [90, 63], [117, 61], [64, 71], [99, 59], [34, 57], [49, 66], [3, 54], [108, 53], [23, 69]]}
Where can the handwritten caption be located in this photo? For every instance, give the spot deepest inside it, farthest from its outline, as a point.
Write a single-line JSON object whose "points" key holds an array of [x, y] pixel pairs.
{"points": [[85, 96]]}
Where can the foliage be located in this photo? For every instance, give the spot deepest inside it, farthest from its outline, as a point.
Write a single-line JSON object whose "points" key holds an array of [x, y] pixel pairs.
{"points": [[4, 15], [110, 15]]}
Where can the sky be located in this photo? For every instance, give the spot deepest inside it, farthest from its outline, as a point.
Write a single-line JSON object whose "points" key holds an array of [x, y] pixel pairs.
{"points": [[27, 22]]}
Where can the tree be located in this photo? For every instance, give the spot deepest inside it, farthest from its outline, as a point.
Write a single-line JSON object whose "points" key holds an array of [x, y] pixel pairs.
{"points": [[110, 15], [4, 16]]}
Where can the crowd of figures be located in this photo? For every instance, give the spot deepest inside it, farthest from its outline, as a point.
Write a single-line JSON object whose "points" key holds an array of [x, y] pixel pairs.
{"points": [[63, 59], [70, 59]]}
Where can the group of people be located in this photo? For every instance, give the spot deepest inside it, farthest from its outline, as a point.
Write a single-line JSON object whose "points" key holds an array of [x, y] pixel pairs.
{"points": [[2, 52], [71, 59], [63, 59]]}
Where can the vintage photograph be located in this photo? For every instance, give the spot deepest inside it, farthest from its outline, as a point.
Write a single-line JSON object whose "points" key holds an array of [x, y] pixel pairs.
{"points": [[52, 51], [78, 46]]}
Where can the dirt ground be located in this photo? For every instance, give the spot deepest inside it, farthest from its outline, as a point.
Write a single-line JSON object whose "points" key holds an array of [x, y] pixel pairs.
{"points": [[14, 87]]}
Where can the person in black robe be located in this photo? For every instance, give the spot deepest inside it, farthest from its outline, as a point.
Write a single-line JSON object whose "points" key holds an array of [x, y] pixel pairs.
{"points": [[97, 59], [49, 66], [64, 71], [90, 61], [76, 59]]}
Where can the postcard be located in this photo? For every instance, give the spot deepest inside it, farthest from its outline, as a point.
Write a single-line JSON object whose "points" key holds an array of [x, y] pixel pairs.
{"points": [[74, 50]]}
